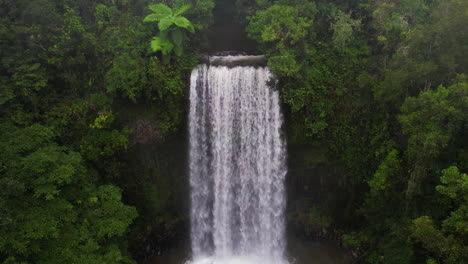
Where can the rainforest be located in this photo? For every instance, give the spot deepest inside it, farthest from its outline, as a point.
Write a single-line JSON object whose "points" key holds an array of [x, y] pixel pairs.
{"points": [[234, 131]]}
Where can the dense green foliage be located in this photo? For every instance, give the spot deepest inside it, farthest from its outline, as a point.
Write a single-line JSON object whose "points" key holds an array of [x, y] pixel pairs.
{"points": [[93, 93], [380, 85], [73, 75], [53, 211]]}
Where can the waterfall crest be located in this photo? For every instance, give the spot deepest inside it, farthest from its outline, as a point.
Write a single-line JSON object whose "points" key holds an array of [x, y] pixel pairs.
{"points": [[237, 166]]}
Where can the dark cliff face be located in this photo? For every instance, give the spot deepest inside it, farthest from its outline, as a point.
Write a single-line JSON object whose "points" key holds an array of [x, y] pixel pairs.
{"points": [[312, 197], [158, 186], [155, 181], [227, 32]]}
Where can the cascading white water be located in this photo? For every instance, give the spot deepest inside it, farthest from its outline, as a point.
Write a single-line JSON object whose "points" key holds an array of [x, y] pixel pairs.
{"points": [[237, 166]]}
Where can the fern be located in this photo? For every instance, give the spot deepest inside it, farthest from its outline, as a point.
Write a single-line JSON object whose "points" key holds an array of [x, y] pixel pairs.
{"points": [[152, 18], [161, 44], [182, 22], [165, 23], [183, 9], [161, 10], [172, 29]]}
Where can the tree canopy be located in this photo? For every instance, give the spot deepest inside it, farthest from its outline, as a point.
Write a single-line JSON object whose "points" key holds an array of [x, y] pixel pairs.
{"points": [[93, 101]]}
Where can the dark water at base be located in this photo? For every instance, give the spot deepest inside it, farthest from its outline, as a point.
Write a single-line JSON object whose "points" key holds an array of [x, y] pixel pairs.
{"points": [[299, 252], [310, 252]]}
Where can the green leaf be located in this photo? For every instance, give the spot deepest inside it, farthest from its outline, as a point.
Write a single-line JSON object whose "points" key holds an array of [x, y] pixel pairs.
{"points": [[178, 50], [177, 37], [161, 44], [156, 44], [161, 10], [191, 29], [167, 47], [166, 58], [183, 9], [164, 34], [182, 22], [170, 38], [165, 23], [151, 18]]}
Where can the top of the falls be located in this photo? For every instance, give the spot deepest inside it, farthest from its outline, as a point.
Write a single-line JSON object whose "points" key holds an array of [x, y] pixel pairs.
{"points": [[230, 60]]}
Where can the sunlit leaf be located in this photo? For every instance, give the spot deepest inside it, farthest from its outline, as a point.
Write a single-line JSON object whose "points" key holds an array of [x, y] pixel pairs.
{"points": [[151, 18], [161, 10], [167, 47], [183, 9], [182, 22], [156, 44], [165, 23]]}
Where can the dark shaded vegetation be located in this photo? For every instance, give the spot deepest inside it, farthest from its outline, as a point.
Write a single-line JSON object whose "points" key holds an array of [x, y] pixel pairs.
{"points": [[92, 123]]}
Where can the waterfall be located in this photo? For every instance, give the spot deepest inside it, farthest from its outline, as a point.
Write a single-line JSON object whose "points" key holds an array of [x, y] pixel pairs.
{"points": [[237, 166]]}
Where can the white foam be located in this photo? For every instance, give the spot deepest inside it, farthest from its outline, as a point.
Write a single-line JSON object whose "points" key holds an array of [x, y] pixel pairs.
{"points": [[237, 260], [237, 166]]}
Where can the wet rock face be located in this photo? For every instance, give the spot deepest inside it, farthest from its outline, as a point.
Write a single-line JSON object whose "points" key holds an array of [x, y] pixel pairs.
{"points": [[145, 132]]}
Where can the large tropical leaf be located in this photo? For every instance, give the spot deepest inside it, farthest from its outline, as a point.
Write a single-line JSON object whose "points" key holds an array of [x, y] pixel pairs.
{"points": [[151, 18], [161, 10], [182, 22], [177, 37], [182, 10], [166, 22], [170, 38]]}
